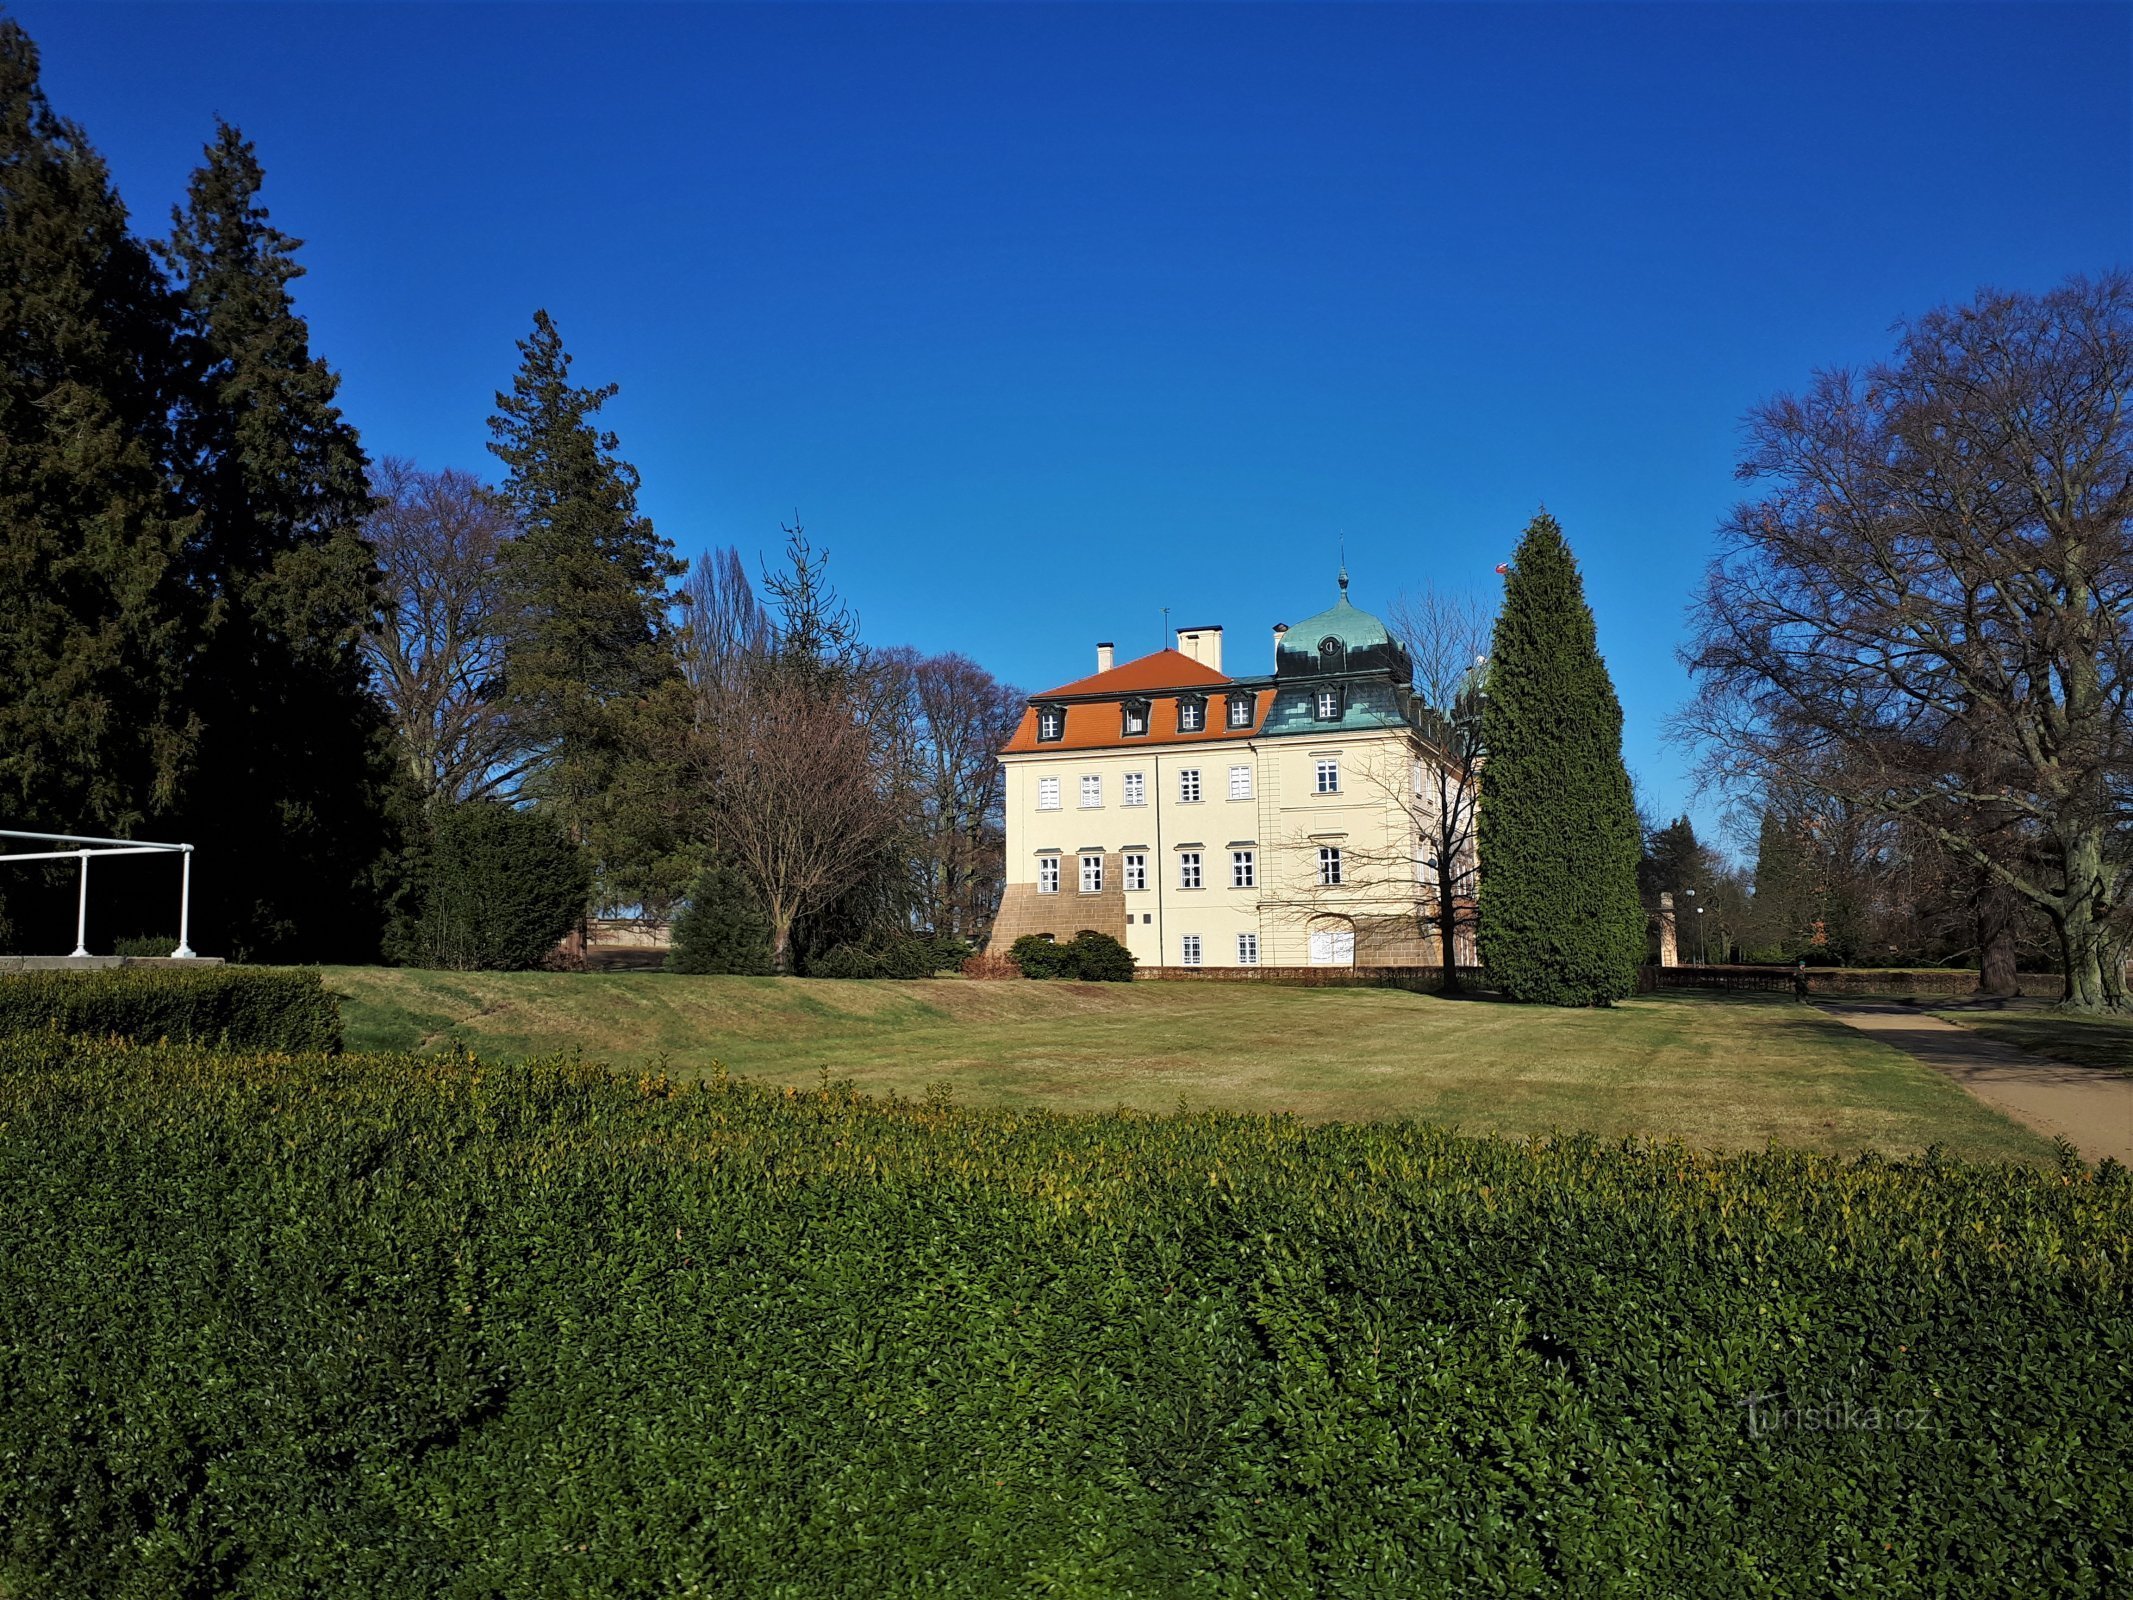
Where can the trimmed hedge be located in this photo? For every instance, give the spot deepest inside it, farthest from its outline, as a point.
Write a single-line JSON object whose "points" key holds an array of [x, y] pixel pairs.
{"points": [[246, 1008], [1089, 956], [398, 1326]]}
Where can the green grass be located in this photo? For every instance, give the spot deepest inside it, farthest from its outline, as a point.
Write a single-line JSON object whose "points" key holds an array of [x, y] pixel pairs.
{"points": [[1717, 1072], [2105, 1042]]}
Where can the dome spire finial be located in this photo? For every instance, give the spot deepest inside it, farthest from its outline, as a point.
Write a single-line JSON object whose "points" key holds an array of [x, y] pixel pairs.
{"points": [[1344, 566]]}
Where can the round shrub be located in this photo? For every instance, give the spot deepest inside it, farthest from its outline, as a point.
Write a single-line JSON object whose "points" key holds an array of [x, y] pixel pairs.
{"points": [[723, 928], [1039, 957], [496, 888], [1099, 958]]}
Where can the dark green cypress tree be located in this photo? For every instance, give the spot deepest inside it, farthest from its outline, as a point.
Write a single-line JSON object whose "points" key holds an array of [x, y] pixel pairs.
{"points": [[289, 788], [588, 658], [1557, 832], [95, 619]]}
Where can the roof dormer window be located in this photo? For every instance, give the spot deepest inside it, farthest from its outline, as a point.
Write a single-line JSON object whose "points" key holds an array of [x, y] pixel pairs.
{"points": [[1326, 705], [1192, 713], [1051, 724], [1241, 709], [1135, 718]]}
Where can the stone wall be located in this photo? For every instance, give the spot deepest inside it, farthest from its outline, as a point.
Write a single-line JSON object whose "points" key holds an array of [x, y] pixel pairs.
{"points": [[1421, 980], [1024, 911]]}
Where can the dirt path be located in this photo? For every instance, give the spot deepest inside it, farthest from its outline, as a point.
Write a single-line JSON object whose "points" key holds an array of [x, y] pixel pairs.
{"points": [[2092, 1108]]}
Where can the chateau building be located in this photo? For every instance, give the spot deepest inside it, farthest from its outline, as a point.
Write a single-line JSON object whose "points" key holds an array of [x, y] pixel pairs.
{"points": [[1206, 820]]}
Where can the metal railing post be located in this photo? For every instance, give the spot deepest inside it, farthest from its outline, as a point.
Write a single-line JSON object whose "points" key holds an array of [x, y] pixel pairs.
{"points": [[81, 910], [184, 952]]}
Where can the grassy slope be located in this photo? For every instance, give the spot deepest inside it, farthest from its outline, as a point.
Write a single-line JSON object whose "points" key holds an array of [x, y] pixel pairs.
{"points": [[2084, 1041], [1716, 1072]]}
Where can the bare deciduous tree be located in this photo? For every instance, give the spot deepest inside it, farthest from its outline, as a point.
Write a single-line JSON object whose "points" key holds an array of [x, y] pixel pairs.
{"points": [[439, 646], [1929, 610], [725, 628], [1446, 635]]}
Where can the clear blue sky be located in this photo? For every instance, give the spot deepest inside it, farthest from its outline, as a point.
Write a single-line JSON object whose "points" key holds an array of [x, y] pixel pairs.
{"points": [[1044, 318]]}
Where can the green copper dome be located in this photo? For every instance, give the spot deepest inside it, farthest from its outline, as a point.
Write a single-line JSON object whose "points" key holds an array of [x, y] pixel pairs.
{"points": [[1342, 638]]}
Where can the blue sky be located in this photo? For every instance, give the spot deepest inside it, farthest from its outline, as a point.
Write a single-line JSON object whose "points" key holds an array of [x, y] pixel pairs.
{"points": [[1044, 318]]}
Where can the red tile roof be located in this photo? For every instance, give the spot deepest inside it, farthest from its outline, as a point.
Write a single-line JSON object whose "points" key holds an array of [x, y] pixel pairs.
{"points": [[1098, 724], [1165, 669]]}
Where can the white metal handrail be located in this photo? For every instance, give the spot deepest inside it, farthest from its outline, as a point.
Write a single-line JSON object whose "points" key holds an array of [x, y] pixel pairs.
{"points": [[87, 847]]}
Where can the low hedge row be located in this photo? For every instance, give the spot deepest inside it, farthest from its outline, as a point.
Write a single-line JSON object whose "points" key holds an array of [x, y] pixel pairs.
{"points": [[250, 1008], [389, 1326]]}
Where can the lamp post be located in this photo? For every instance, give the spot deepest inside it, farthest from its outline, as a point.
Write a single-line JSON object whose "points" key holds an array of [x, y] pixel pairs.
{"points": [[1699, 936]]}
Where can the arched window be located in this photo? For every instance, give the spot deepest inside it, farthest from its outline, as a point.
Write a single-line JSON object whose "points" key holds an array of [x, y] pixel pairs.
{"points": [[1330, 654]]}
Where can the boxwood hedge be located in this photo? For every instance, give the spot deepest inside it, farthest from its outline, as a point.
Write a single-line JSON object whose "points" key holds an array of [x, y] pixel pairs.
{"points": [[257, 1008], [386, 1326]]}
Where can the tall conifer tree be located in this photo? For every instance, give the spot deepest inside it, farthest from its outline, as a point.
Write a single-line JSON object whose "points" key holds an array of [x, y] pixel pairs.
{"points": [[97, 622], [289, 785], [1557, 832], [588, 659]]}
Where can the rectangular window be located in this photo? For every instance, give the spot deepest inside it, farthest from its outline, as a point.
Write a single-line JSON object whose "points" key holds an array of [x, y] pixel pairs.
{"points": [[1092, 874], [1136, 870], [1240, 783], [1047, 794], [1243, 871], [1136, 718], [1329, 705], [1247, 949], [1191, 715], [1189, 784], [1191, 943], [1240, 713], [1418, 780], [1329, 776], [1092, 791], [1188, 869], [1047, 874], [1136, 789], [1329, 865], [1051, 723]]}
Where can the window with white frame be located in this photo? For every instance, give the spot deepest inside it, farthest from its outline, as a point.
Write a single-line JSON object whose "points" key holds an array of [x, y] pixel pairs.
{"points": [[1051, 723], [1192, 715], [1240, 783], [1418, 780], [1136, 712], [1135, 787], [1092, 874], [1243, 870], [1329, 705], [1188, 869], [1329, 775], [1240, 710], [1047, 874], [1189, 783], [1135, 866], [1092, 791], [1247, 949], [1329, 865], [1047, 794], [1189, 949]]}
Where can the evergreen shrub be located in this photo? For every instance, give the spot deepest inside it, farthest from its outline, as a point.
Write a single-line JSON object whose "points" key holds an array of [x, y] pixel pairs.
{"points": [[254, 1008], [1089, 956], [407, 1326], [496, 888], [723, 928], [902, 955]]}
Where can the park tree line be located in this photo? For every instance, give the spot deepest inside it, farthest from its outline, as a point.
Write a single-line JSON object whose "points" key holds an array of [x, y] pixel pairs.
{"points": [[406, 710]]}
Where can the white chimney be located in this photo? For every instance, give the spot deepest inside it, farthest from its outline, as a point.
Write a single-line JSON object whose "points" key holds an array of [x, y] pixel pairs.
{"points": [[1203, 645], [1281, 632], [1103, 656]]}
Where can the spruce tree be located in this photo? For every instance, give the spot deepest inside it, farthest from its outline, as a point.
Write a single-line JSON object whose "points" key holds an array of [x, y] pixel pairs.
{"points": [[288, 790], [588, 659], [1557, 832], [723, 928], [97, 621]]}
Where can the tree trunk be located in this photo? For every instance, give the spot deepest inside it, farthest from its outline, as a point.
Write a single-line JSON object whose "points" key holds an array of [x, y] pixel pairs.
{"points": [[2083, 939], [1448, 936], [1996, 939], [780, 940]]}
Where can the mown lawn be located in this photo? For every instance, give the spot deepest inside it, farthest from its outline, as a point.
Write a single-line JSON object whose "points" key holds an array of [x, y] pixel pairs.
{"points": [[1717, 1072], [2105, 1042]]}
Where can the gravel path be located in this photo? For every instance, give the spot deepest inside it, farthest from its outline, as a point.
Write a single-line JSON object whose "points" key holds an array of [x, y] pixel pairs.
{"points": [[2090, 1107]]}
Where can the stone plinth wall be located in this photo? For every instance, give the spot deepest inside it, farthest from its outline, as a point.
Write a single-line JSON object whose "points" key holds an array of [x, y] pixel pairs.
{"points": [[1024, 911], [1421, 980]]}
